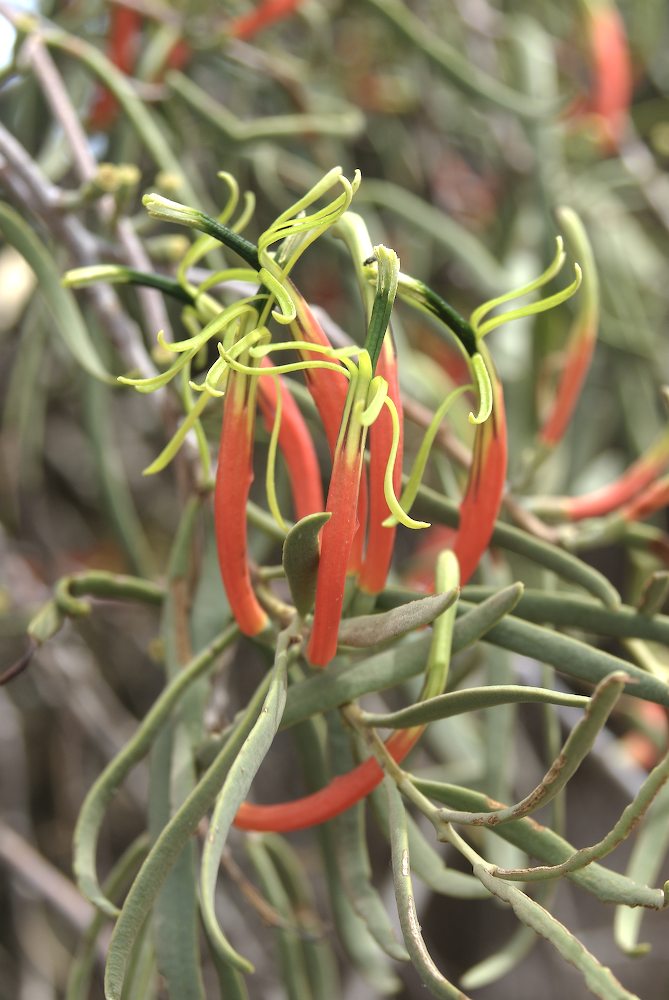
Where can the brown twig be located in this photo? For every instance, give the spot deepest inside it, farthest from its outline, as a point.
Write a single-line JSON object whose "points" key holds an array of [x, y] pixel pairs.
{"points": [[55, 92], [44, 879]]}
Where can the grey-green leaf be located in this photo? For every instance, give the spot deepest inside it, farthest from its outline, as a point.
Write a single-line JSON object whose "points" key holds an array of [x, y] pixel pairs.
{"points": [[301, 552], [61, 301], [436, 983], [370, 630], [599, 979]]}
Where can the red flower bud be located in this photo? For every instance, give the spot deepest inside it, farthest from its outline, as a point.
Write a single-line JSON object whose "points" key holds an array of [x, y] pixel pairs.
{"points": [[233, 481]]}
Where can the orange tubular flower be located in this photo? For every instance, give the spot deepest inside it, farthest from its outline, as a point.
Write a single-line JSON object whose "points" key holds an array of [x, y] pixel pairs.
{"points": [[339, 533], [266, 13], [336, 797], [125, 26], [582, 337], [295, 444], [611, 90], [336, 548], [328, 391], [380, 539], [485, 486], [233, 481], [478, 512], [634, 480], [367, 396], [650, 500]]}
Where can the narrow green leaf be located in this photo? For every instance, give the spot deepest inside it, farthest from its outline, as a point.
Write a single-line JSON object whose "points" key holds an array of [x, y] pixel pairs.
{"points": [[541, 842], [446, 576], [630, 818], [173, 778], [95, 804], [353, 854], [371, 630], [430, 975], [319, 955], [235, 789], [346, 123], [439, 509], [61, 302], [645, 864], [426, 863], [292, 964], [599, 979], [344, 681], [168, 847], [361, 950], [142, 978], [575, 611], [301, 553], [572, 657], [577, 746], [83, 966], [445, 706]]}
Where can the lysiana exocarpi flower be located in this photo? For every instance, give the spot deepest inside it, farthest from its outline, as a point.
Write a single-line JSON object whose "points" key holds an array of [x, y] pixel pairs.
{"points": [[366, 397], [487, 474], [233, 480], [356, 391], [582, 336], [478, 511]]}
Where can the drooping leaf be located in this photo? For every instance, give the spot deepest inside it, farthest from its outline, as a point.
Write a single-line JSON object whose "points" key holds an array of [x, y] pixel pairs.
{"points": [[62, 304]]}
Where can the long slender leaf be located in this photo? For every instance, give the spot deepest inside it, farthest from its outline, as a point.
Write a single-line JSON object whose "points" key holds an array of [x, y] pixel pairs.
{"points": [[541, 842], [168, 847], [427, 864], [292, 962], [572, 657], [345, 681], [319, 955], [62, 304], [630, 818], [353, 854], [175, 913], [579, 612], [599, 979], [100, 795], [436, 983], [577, 746], [433, 506], [646, 861], [235, 789], [360, 948], [81, 970], [471, 699]]}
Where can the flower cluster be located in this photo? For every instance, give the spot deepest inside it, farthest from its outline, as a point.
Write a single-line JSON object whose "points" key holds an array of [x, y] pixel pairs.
{"points": [[355, 388]]}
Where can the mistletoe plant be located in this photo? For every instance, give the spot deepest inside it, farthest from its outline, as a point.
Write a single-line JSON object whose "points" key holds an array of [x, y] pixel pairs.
{"points": [[334, 629]]}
